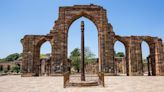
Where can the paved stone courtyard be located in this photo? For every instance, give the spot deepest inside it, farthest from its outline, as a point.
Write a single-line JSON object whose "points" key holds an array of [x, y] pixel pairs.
{"points": [[55, 84]]}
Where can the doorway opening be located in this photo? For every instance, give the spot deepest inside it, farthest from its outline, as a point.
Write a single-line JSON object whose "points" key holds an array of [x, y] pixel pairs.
{"points": [[91, 64], [146, 61], [45, 57], [120, 63]]}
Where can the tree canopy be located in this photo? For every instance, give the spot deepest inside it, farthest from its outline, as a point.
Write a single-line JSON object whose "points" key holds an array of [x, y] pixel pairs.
{"points": [[43, 56], [119, 54], [88, 55], [11, 57], [15, 68], [75, 57]]}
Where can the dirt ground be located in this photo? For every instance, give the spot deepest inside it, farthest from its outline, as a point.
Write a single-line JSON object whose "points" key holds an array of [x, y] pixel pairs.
{"points": [[55, 84]]}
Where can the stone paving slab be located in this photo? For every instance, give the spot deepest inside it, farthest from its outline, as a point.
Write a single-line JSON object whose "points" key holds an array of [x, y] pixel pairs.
{"points": [[55, 84]]}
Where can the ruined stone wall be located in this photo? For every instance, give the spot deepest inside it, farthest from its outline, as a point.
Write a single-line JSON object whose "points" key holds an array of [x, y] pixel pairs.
{"points": [[31, 52], [58, 37], [67, 15], [162, 61], [6, 66], [134, 54]]}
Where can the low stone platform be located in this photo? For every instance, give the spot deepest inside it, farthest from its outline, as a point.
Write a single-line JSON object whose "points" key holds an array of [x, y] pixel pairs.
{"points": [[88, 77], [84, 84], [91, 80]]}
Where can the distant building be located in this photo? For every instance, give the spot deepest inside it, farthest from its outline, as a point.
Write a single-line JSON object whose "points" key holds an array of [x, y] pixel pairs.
{"points": [[6, 66]]}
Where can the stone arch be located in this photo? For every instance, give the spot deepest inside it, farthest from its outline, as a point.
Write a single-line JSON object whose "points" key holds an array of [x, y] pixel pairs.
{"points": [[42, 40], [39, 62], [91, 32], [145, 63], [82, 14], [67, 15], [75, 18], [125, 42], [106, 38], [151, 43], [88, 17]]}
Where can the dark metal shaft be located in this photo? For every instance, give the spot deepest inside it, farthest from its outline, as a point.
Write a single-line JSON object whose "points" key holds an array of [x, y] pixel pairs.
{"points": [[148, 65], [82, 52]]}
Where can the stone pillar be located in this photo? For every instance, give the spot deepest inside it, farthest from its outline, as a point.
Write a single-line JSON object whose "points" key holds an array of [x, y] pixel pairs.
{"points": [[162, 61], [54, 54], [25, 57], [28, 55], [36, 54], [139, 58], [152, 58], [116, 66], [136, 58], [148, 65], [123, 64], [158, 56], [109, 64], [43, 67], [128, 61], [56, 65]]}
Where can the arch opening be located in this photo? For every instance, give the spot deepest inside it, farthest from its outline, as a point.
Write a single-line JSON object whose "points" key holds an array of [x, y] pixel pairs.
{"points": [[120, 62], [146, 59], [91, 45], [82, 15], [45, 58], [8, 67]]}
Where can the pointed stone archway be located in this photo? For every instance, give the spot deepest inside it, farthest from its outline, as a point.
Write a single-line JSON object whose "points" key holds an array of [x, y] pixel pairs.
{"points": [[106, 38]]}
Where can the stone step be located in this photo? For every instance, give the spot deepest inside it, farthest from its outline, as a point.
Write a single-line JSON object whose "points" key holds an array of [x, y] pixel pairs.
{"points": [[83, 84]]}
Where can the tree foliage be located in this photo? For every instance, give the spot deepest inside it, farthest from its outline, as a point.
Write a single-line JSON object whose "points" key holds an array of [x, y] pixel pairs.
{"points": [[3, 59], [75, 57], [15, 68], [12, 57], [119, 54], [43, 56], [88, 55]]}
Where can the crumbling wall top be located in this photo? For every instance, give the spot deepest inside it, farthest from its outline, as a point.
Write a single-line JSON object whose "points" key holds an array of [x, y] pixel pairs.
{"points": [[91, 6]]}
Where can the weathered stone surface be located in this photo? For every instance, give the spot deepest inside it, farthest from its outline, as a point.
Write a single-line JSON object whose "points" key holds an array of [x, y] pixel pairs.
{"points": [[106, 39]]}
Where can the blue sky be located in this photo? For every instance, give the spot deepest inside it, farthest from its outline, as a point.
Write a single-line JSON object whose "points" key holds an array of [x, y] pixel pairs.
{"points": [[128, 17]]}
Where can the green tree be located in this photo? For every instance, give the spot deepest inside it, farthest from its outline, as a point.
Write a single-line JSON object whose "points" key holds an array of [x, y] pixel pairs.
{"points": [[3, 59], [89, 55], [75, 57], [43, 56], [15, 68], [12, 57], [119, 54]]}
